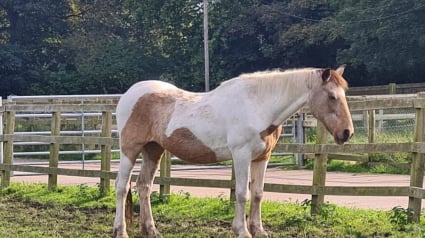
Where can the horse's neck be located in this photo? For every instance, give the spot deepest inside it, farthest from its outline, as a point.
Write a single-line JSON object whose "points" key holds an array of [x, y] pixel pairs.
{"points": [[289, 106], [286, 99]]}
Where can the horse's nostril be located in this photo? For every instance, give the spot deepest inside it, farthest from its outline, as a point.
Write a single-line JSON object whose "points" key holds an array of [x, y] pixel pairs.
{"points": [[346, 134]]}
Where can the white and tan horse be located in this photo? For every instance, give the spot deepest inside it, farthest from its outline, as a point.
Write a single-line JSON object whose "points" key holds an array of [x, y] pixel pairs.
{"points": [[240, 120]]}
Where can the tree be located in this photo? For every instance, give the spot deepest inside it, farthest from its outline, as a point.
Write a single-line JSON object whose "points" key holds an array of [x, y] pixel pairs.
{"points": [[173, 29], [80, 46], [108, 58], [386, 41], [30, 39], [258, 35]]}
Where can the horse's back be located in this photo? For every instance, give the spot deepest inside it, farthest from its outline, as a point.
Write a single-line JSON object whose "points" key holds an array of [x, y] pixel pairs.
{"points": [[134, 93], [151, 86]]}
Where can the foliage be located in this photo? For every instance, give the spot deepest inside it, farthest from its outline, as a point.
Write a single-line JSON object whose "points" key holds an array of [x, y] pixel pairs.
{"points": [[400, 217], [30, 36], [77, 46], [396, 25]]}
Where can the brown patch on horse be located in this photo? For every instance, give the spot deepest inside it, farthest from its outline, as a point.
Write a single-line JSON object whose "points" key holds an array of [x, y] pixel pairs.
{"points": [[185, 145], [271, 136], [154, 151], [149, 119]]}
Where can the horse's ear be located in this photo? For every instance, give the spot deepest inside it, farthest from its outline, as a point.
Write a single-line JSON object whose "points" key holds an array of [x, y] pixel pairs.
{"points": [[340, 69], [326, 74]]}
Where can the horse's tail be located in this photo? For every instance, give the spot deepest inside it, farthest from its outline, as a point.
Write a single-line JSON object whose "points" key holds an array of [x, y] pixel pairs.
{"points": [[129, 213]]}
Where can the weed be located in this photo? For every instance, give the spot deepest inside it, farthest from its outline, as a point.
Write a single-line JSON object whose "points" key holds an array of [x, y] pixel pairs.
{"points": [[300, 218], [400, 217], [157, 198], [384, 169], [86, 193], [328, 211], [306, 204]]}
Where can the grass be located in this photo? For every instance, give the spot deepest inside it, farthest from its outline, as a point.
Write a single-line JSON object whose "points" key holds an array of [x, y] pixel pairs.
{"points": [[81, 196], [29, 210], [350, 167]]}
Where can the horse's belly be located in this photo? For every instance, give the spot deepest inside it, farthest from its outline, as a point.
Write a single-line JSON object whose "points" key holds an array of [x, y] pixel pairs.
{"points": [[223, 153], [186, 146]]}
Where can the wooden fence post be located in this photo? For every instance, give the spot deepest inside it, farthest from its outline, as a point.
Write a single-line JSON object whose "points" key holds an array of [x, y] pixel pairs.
{"points": [[417, 167], [54, 150], [105, 153], [366, 121], [371, 132], [165, 171], [319, 172], [8, 148], [380, 121], [392, 88]]}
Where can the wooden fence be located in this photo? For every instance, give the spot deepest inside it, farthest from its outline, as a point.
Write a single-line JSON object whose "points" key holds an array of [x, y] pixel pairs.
{"points": [[391, 88], [321, 149]]}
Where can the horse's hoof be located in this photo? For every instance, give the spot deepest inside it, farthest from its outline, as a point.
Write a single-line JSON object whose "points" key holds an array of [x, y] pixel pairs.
{"points": [[246, 235], [152, 234], [242, 234], [257, 231], [260, 234], [119, 233]]}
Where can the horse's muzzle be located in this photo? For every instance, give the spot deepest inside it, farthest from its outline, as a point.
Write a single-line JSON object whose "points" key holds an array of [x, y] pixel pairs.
{"points": [[345, 136]]}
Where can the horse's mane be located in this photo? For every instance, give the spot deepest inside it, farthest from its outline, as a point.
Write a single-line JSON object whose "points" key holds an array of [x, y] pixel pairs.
{"points": [[278, 74], [294, 74], [295, 80], [275, 80]]}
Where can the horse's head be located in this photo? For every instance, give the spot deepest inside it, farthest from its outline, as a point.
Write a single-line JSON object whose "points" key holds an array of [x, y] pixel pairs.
{"points": [[328, 104]]}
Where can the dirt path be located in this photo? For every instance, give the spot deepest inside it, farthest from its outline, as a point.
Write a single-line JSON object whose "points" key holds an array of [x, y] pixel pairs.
{"points": [[273, 175]]}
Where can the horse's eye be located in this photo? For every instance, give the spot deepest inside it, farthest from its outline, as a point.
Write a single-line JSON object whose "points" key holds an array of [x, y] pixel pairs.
{"points": [[332, 97]]}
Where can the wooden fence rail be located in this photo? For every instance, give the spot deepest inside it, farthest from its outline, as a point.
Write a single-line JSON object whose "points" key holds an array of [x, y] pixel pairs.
{"points": [[318, 189], [391, 88]]}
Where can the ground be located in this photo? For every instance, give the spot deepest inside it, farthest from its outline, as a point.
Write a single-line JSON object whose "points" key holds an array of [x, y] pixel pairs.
{"points": [[273, 175]]}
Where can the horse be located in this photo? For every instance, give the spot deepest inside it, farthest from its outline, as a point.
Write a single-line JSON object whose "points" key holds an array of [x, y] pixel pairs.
{"points": [[240, 120]]}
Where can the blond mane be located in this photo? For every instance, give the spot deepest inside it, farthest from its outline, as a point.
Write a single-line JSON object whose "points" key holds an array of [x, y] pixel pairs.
{"points": [[271, 78], [274, 81]]}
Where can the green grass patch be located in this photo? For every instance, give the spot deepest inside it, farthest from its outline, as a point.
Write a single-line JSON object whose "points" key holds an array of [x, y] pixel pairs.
{"points": [[356, 167], [29, 210], [82, 196]]}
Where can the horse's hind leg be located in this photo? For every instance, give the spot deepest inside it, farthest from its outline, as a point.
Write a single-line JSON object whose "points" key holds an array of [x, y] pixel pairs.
{"points": [[122, 187], [258, 169], [152, 153]]}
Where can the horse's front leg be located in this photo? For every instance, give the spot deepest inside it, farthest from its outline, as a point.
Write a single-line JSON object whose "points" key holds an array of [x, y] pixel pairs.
{"points": [[258, 169], [241, 164]]}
